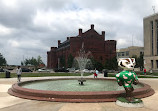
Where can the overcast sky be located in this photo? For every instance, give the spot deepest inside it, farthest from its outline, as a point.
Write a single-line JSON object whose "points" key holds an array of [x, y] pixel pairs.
{"points": [[28, 28]]}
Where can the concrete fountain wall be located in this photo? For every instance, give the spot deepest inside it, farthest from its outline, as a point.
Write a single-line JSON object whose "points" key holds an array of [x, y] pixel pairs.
{"points": [[75, 96]]}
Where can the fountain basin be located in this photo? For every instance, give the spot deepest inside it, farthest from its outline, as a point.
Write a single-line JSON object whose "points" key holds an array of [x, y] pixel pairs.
{"points": [[62, 90]]}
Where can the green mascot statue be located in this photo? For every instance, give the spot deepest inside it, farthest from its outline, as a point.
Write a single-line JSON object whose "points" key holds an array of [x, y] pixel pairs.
{"points": [[127, 77]]}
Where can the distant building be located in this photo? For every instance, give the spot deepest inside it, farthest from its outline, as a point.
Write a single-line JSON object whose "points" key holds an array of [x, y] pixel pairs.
{"points": [[151, 42], [93, 41], [130, 51]]}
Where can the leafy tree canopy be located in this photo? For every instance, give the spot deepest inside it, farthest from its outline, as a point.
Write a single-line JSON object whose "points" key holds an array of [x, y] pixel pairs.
{"points": [[2, 60], [33, 61], [139, 61], [97, 65], [111, 64], [70, 61]]}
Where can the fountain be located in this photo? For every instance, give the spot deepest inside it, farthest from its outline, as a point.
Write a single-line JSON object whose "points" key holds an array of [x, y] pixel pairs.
{"points": [[82, 60], [66, 89]]}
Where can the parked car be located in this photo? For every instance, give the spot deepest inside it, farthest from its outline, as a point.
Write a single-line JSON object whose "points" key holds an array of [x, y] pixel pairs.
{"points": [[86, 71], [77, 71], [92, 71], [26, 70], [61, 70], [1, 70], [43, 70], [71, 69]]}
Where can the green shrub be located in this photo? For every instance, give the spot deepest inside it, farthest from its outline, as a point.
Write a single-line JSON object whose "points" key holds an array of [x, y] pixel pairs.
{"points": [[122, 99]]}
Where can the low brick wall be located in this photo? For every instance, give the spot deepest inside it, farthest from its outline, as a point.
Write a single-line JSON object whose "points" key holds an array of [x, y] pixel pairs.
{"points": [[71, 96]]}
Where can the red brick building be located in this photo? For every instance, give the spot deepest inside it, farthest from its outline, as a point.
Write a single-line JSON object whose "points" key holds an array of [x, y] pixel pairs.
{"points": [[100, 48]]}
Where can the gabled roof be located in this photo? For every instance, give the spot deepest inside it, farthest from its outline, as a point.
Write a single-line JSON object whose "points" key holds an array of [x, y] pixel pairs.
{"points": [[91, 31]]}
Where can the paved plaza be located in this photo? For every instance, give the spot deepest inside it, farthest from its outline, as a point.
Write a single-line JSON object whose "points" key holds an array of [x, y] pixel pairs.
{"points": [[11, 103]]}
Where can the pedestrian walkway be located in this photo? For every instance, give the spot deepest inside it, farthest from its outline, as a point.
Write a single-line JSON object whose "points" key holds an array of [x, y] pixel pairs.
{"points": [[11, 103]]}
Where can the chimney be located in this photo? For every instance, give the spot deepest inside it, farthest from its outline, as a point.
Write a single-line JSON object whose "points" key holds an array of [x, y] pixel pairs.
{"points": [[103, 33], [59, 42], [92, 26], [53, 48], [80, 32], [67, 38]]}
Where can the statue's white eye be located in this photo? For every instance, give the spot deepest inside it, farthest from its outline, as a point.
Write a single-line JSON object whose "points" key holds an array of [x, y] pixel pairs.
{"points": [[127, 62]]}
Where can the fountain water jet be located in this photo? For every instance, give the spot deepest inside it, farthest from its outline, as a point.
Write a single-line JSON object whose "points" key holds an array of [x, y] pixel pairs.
{"points": [[82, 60]]}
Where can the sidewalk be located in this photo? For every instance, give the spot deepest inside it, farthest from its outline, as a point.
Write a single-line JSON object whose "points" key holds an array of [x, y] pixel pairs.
{"points": [[11, 103]]}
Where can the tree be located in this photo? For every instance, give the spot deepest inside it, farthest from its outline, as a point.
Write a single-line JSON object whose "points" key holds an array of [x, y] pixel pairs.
{"points": [[62, 61], [39, 60], [97, 65], [2, 60], [111, 64], [33, 61], [70, 61], [139, 61]]}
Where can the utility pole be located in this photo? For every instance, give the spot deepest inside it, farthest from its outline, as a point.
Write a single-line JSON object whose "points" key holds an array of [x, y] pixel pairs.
{"points": [[23, 60], [153, 9], [132, 40]]}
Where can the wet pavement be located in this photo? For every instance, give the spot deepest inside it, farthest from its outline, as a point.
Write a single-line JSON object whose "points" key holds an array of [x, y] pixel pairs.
{"points": [[11, 103]]}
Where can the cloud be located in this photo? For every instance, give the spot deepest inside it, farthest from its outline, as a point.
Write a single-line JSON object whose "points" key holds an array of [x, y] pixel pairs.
{"points": [[4, 30], [30, 28]]}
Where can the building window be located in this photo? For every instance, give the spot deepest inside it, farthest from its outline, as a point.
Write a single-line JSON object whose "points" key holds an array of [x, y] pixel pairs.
{"points": [[157, 36], [152, 38], [119, 54], [152, 64], [123, 54], [127, 53], [141, 53], [157, 64]]}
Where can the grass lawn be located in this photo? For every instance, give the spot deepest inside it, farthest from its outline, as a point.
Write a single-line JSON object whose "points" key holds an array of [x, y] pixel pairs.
{"points": [[2, 75], [139, 74], [147, 73]]}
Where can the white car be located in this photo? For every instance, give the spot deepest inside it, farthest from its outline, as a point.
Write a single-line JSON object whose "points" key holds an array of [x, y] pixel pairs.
{"points": [[43, 70], [71, 69], [86, 71], [77, 71], [92, 71]]}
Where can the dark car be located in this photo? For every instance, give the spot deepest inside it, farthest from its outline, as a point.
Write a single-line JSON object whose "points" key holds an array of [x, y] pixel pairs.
{"points": [[1, 70], [61, 70], [26, 70]]}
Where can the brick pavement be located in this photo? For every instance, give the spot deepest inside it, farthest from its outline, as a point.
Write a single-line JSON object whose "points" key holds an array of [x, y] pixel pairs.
{"points": [[11, 103]]}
